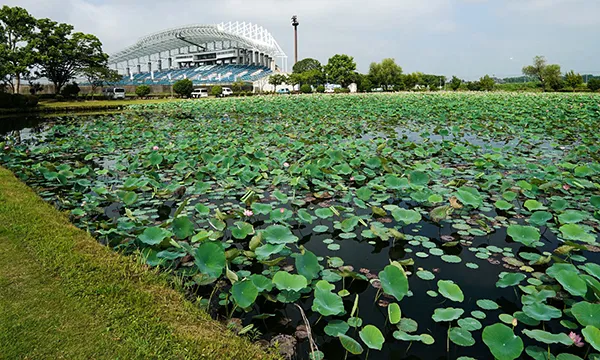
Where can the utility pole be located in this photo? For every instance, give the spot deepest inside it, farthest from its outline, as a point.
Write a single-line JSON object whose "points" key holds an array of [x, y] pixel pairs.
{"points": [[295, 24]]}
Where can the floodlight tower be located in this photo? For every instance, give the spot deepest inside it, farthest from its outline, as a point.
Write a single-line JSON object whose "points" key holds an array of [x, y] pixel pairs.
{"points": [[295, 24]]}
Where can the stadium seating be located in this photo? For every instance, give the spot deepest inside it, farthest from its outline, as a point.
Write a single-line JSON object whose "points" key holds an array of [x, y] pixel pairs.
{"points": [[202, 75]]}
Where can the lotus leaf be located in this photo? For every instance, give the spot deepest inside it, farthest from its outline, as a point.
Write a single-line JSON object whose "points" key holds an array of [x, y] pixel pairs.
{"points": [[291, 282], [502, 342], [154, 235], [326, 302], [449, 290], [461, 337], [351, 345], [526, 235], [279, 234], [244, 293], [548, 338], [447, 314], [394, 282], [210, 259], [372, 337], [587, 313]]}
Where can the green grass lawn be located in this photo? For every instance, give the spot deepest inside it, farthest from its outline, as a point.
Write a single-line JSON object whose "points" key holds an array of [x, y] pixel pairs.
{"points": [[65, 296]]}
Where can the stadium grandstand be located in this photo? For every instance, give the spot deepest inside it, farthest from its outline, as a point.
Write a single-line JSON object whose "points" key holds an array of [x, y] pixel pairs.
{"points": [[206, 54]]}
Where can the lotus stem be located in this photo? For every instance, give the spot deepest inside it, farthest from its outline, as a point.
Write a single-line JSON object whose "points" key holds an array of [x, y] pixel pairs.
{"points": [[232, 310], [311, 342], [587, 352], [448, 339]]}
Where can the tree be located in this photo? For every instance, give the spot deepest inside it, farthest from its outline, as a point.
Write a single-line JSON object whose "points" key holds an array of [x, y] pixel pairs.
{"points": [[237, 86], [455, 83], [307, 64], [573, 80], [142, 90], [70, 90], [553, 77], [412, 80], [594, 84], [387, 74], [277, 79], [98, 76], [216, 90], [340, 69], [16, 55], [548, 75], [487, 83], [63, 54], [366, 85], [306, 89], [474, 86], [183, 87], [433, 82]]}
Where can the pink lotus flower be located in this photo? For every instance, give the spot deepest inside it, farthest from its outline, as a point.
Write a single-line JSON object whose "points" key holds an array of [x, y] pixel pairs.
{"points": [[566, 187], [577, 341], [352, 178], [6, 147], [286, 164], [155, 148], [248, 212], [282, 210]]}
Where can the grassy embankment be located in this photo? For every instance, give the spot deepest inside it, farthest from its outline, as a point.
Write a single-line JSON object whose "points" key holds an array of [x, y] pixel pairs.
{"points": [[66, 106], [65, 296]]}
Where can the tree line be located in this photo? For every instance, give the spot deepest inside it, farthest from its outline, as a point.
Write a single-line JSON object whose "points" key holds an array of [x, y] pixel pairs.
{"points": [[32, 48], [388, 76]]}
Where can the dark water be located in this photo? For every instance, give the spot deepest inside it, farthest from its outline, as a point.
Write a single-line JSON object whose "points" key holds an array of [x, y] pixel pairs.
{"points": [[476, 284], [25, 124]]}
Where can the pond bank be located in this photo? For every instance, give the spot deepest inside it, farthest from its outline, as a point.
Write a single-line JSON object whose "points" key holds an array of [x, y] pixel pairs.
{"points": [[66, 106], [66, 296]]}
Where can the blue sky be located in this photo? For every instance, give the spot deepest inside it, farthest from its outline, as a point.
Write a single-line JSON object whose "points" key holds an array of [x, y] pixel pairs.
{"points": [[468, 38]]}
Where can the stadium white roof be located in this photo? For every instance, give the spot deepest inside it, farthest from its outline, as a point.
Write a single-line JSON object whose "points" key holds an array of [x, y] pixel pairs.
{"points": [[244, 35]]}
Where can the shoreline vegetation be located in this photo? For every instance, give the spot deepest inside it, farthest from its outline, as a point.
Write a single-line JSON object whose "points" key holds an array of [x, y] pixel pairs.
{"points": [[91, 105], [66, 296], [53, 107]]}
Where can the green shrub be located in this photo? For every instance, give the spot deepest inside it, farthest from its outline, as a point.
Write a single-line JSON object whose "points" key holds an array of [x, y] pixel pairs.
{"points": [[13, 101], [142, 90], [321, 89], [594, 84], [306, 89], [183, 87], [399, 87], [216, 90], [70, 90]]}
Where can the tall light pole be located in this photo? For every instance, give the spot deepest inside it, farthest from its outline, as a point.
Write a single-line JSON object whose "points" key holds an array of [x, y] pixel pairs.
{"points": [[295, 24]]}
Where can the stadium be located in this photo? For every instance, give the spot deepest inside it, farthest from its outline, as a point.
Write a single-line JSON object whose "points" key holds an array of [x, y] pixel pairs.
{"points": [[206, 54]]}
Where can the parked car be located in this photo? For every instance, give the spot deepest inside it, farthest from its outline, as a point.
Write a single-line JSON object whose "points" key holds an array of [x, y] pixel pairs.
{"points": [[226, 92], [199, 93], [283, 91], [114, 93]]}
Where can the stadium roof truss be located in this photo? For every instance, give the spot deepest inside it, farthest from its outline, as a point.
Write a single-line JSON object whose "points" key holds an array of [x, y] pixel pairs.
{"points": [[239, 34]]}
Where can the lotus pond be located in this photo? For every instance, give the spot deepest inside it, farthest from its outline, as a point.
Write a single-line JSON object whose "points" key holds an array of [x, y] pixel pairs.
{"points": [[412, 226]]}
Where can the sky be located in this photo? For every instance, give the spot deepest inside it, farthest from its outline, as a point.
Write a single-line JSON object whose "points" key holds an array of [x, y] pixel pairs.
{"points": [[467, 38]]}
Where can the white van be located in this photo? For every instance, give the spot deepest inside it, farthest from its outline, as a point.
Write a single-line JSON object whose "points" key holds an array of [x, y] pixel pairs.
{"points": [[200, 93], [114, 93], [226, 92]]}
